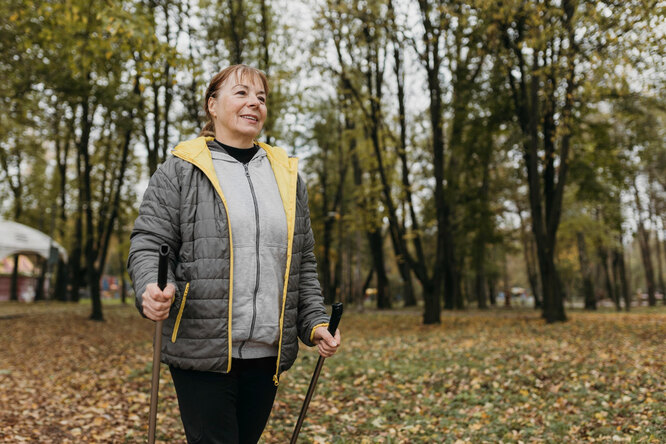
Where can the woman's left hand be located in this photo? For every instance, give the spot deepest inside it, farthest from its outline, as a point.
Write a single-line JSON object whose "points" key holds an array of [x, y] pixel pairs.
{"points": [[326, 344]]}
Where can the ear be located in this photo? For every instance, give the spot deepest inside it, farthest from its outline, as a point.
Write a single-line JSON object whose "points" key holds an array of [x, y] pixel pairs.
{"points": [[211, 106]]}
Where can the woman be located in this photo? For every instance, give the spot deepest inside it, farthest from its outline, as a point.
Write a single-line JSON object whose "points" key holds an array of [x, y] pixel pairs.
{"points": [[242, 277]]}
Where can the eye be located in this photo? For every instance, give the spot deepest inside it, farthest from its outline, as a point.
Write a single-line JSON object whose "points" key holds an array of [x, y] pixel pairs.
{"points": [[240, 92], [262, 99]]}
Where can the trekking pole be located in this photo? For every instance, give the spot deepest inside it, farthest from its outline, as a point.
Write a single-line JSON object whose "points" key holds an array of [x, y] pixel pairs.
{"points": [[162, 269], [332, 327]]}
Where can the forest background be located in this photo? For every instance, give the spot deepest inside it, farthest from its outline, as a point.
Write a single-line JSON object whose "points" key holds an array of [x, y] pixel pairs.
{"points": [[453, 150]]}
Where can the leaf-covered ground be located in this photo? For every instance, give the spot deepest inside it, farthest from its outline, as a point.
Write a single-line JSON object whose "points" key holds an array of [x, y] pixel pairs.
{"points": [[502, 376]]}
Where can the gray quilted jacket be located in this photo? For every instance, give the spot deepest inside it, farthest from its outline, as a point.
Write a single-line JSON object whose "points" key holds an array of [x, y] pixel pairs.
{"points": [[184, 207]]}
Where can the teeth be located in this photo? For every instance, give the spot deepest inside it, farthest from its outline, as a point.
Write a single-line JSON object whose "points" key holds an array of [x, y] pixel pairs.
{"points": [[250, 118]]}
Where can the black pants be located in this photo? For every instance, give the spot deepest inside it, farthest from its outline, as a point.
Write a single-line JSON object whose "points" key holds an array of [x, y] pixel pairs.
{"points": [[232, 408]]}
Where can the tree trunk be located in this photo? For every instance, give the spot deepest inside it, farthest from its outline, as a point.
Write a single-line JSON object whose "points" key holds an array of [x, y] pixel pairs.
{"points": [[60, 293], [92, 276], [376, 241], [343, 291], [660, 269], [483, 232], [39, 290], [505, 281], [602, 254], [357, 285], [407, 287], [13, 286], [491, 291], [480, 289], [403, 265], [663, 247], [74, 264], [530, 259], [620, 274], [535, 103], [431, 296], [453, 298], [14, 176], [646, 253], [654, 208], [325, 269], [586, 273], [237, 30], [553, 302]]}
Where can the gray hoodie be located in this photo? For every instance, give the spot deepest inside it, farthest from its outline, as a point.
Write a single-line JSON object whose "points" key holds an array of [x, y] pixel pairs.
{"points": [[259, 228]]}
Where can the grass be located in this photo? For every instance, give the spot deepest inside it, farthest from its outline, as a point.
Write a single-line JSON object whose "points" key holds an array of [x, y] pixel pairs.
{"points": [[495, 376]]}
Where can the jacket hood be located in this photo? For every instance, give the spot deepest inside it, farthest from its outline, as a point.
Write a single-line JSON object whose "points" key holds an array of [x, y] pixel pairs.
{"points": [[285, 168], [197, 149]]}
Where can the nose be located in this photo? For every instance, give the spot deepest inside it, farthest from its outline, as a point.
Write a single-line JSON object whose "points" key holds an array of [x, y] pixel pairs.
{"points": [[254, 100]]}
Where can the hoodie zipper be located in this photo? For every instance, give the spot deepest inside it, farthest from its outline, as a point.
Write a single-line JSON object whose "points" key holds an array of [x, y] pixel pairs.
{"points": [[256, 281]]}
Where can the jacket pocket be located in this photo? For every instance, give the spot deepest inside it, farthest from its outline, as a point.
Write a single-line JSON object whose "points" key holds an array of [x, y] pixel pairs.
{"points": [[180, 313]]}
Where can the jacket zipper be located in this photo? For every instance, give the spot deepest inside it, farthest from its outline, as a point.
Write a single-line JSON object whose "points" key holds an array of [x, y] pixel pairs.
{"points": [[256, 281]]}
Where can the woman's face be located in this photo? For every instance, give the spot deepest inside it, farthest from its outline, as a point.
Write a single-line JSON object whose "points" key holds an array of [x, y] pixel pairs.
{"points": [[239, 111]]}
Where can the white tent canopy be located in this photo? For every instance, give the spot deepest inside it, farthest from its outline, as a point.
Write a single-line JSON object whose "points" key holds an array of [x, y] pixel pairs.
{"points": [[18, 238]]}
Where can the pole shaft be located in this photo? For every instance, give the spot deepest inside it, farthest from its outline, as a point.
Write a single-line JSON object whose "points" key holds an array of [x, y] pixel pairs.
{"points": [[155, 386], [332, 327], [162, 270], [308, 398]]}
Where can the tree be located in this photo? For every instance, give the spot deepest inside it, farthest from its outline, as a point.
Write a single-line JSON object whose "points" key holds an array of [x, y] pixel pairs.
{"points": [[549, 50], [94, 48]]}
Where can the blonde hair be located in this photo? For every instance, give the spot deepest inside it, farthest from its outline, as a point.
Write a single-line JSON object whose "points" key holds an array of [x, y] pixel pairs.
{"points": [[240, 72]]}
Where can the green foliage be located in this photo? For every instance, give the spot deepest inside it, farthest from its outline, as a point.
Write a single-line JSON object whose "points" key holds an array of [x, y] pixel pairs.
{"points": [[70, 68]]}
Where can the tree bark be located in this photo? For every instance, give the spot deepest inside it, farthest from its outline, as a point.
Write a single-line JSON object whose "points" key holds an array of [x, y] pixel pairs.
{"points": [[16, 187], [374, 236], [327, 289], [237, 30], [621, 286], [432, 61], [653, 206], [92, 276], [479, 253], [529, 255], [13, 286], [39, 290], [491, 291], [376, 241], [60, 293], [646, 253], [74, 264], [408, 293], [602, 254], [586, 273], [505, 281]]}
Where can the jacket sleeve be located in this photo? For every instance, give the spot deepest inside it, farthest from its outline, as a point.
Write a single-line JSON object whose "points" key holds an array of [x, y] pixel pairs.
{"points": [[311, 310], [158, 222]]}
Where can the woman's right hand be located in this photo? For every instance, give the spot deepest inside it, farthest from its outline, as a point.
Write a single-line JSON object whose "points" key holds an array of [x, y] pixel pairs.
{"points": [[156, 303]]}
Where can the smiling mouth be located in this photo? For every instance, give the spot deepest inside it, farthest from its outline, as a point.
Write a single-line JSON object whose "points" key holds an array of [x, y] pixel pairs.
{"points": [[250, 118]]}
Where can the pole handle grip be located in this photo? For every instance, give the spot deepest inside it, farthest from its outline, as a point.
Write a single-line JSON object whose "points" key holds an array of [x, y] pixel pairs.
{"points": [[336, 315], [163, 266]]}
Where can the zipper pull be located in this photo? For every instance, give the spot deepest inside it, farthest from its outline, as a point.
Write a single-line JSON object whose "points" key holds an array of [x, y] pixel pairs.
{"points": [[247, 171]]}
